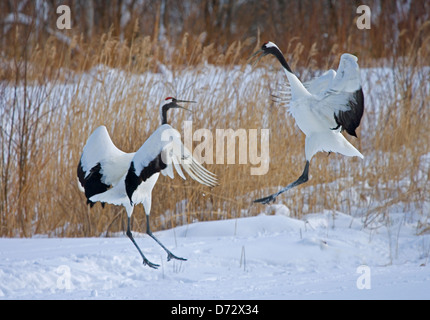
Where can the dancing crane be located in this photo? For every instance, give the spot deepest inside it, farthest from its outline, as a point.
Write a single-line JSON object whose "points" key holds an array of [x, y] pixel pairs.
{"points": [[322, 108], [107, 174]]}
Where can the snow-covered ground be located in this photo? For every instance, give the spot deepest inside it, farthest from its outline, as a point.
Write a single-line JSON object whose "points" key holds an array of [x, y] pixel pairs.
{"points": [[328, 255]]}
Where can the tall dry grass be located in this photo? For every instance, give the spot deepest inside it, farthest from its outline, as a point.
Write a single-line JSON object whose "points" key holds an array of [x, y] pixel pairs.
{"points": [[53, 97]]}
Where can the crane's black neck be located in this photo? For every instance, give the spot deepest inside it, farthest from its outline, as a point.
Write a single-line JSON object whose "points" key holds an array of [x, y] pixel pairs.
{"points": [[164, 114], [278, 54]]}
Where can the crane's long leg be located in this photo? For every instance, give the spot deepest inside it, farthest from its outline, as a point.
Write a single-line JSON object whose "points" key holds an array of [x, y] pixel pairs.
{"points": [[302, 179], [170, 255], [145, 261]]}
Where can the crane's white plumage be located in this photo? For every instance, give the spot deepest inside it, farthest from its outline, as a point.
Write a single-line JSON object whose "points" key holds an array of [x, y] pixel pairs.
{"points": [[100, 149], [101, 165], [314, 104], [322, 83], [107, 174], [164, 144], [322, 108]]}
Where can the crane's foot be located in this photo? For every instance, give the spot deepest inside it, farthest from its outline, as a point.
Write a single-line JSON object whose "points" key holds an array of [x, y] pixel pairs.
{"points": [[150, 264], [266, 200], [172, 256]]}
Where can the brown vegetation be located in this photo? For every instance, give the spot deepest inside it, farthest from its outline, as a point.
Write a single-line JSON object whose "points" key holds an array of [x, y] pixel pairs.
{"points": [[41, 140]]}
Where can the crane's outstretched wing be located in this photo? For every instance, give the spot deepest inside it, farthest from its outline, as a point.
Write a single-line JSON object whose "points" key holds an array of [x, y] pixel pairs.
{"points": [[162, 152], [321, 83], [176, 155], [101, 165], [344, 96], [316, 86]]}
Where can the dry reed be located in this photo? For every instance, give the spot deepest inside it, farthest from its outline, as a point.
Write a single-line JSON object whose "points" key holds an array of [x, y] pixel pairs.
{"points": [[55, 97]]}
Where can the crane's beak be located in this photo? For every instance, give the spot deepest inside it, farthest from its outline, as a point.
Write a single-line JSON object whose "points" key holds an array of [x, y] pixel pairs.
{"points": [[178, 106], [255, 58]]}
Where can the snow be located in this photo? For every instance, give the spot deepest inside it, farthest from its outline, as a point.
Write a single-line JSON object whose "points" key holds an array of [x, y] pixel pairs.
{"points": [[327, 255]]}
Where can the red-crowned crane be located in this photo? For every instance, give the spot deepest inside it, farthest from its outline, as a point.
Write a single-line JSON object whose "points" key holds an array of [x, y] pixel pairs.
{"points": [[322, 109], [107, 174]]}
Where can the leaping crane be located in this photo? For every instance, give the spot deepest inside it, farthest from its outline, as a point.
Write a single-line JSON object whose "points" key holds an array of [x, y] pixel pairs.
{"points": [[107, 174], [322, 108]]}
